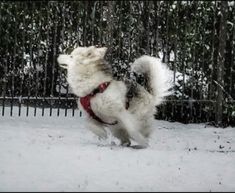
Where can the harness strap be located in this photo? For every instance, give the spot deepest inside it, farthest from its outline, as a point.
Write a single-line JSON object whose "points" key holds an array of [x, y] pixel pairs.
{"points": [[86, 102]]}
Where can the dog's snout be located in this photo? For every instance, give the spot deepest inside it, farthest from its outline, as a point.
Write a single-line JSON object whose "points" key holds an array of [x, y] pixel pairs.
{"points": [[63, 66], [64, 60]]}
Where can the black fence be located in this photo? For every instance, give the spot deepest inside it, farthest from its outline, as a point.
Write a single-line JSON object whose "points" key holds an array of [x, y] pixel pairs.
{"points": [[195, 38]]}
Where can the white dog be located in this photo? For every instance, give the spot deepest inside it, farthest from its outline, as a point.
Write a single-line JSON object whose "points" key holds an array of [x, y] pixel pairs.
{"points": [[105, 100]]}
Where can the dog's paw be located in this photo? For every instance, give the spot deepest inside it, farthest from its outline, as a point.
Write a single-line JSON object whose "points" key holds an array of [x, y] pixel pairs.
{"points": [[126, 144], [140, 139], [138, 147]]}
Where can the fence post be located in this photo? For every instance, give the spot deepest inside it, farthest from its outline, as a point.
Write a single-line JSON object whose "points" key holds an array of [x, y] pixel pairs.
{"points": [[220, 62]]}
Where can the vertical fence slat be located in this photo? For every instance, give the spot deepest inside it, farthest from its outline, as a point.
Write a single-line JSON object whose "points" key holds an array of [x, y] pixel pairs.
{"points": [[212, 63], [221, 60], [6, 67], [46, 56], [202, 68], [22, 60], [3, 66], [37, 62]]}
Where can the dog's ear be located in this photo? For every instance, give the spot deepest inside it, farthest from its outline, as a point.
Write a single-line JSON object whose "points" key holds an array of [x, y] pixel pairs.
{"points": [[102, 51]]}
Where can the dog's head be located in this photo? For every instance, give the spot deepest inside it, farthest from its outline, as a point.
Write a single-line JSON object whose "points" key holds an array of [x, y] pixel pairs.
{"points": [[82, 56]]}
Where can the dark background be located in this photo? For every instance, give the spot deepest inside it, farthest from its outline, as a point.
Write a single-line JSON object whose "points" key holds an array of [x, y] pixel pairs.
{"points": [[195, 38]]}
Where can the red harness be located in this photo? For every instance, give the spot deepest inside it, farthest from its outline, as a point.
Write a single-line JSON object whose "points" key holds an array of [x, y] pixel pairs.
{"points": [[86, 102]]}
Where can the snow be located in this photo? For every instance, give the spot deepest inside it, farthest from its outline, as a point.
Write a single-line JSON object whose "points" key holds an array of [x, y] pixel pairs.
{"points": [[61, 154]]}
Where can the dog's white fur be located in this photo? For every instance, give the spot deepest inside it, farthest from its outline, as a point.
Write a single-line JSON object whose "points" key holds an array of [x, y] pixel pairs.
{"points": [[85, 75]]}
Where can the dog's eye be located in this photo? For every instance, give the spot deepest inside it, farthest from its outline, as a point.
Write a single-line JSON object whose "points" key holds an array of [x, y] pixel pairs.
{"points": [[89, 54]]}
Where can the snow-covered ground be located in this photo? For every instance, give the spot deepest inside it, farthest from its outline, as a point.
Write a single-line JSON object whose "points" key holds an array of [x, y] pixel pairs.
{"points": [[60, 154]]}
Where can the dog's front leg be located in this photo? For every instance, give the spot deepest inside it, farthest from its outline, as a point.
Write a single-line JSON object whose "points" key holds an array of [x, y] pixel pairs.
{"points": [[132, 126], [93, 125], [97, 128]]}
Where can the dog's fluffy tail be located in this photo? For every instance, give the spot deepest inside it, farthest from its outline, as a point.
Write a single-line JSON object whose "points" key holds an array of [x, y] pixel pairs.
{"points": [[158, 74]]}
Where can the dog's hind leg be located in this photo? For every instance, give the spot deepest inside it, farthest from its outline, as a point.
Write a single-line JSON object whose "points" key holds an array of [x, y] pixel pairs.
{"points": [[146, 128], [132, 126]]}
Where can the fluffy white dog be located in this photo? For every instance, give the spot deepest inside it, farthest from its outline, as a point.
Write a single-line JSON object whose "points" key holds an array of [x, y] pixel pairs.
{"points": [[106, 101]]}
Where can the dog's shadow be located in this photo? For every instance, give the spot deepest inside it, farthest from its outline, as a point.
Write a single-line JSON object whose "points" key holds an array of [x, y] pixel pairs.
{"points": [[113, 145]]}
